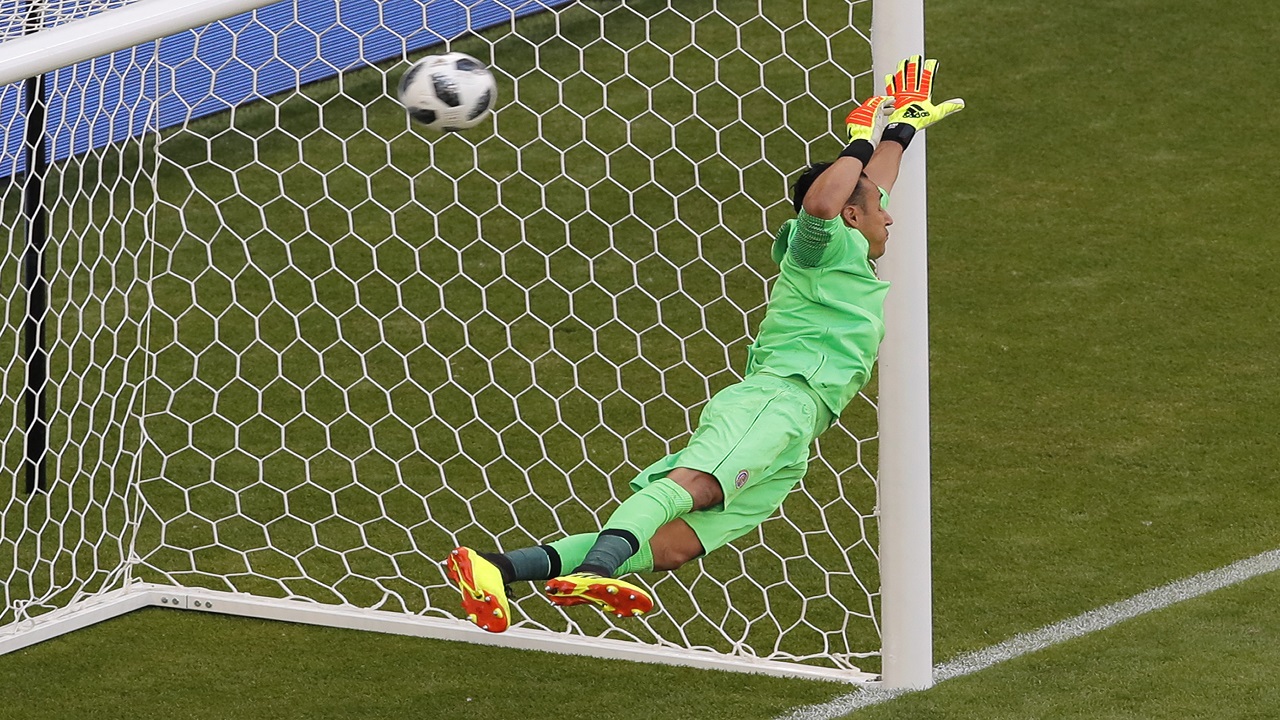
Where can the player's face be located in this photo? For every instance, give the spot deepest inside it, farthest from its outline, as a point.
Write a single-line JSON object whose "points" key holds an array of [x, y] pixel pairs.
{"points": [[871, 220], [878, 234]]}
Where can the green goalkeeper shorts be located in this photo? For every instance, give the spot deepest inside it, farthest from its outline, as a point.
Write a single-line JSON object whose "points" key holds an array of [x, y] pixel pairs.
{"points": [[754, 437]]}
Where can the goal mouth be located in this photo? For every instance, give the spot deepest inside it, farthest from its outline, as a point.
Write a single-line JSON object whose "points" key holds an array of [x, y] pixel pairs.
{"points": [[300, 347]]}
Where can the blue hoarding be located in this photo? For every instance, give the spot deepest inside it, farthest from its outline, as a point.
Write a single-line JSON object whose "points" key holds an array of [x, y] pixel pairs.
{"points": [[239, 60]]}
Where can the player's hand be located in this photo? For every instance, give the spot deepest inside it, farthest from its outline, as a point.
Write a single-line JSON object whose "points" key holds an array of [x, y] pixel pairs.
{"points": [[912, 90], [867, 121]]}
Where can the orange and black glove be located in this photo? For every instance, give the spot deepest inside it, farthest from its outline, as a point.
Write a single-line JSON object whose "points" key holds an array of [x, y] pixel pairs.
{"points": [[865, 125]]}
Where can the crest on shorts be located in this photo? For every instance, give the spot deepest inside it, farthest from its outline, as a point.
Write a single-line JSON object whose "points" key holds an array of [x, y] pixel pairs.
{"points": [[741, 479]]}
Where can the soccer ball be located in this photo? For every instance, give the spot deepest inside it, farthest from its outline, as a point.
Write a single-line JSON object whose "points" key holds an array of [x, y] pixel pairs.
{"points": [[448, 92]]}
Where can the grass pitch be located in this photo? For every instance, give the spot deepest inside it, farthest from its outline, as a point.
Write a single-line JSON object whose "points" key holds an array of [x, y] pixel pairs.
{"points": [[361, 343], [404, 341], [1103, 399]]}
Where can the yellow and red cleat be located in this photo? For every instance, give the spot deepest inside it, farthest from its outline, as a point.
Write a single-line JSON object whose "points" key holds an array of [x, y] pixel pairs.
{"points": [[610, 594], [484, 597]]}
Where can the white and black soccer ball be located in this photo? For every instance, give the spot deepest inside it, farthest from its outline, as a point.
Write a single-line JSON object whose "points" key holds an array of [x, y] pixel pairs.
{"points": [[448, 92]]}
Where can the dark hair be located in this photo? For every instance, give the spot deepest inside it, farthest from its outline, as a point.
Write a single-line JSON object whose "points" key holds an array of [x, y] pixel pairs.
{"points": [[811, 173]]}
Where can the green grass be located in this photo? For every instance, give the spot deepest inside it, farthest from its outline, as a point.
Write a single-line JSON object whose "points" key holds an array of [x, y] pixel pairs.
{"points": [[208, 666], [490, 369], [364, 344], [1101, 383], [1212, 657], [1102, 368]]}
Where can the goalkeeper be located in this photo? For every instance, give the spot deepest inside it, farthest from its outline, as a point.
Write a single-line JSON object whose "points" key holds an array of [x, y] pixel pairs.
{"points": [[813, 353]]}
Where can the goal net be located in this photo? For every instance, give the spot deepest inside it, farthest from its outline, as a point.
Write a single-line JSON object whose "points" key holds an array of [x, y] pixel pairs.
{"points": [[300, 348]]}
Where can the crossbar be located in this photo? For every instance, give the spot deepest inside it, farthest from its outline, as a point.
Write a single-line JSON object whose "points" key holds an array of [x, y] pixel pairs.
{"points": [[110, 31]]}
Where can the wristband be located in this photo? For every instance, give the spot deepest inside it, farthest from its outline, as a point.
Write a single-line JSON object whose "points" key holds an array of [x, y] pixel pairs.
{"points": [[898, 132], [860, 149]]}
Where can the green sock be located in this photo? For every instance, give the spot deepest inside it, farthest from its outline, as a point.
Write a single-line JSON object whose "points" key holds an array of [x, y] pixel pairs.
{"points": [[654, 506], [642, 561], [571, 551], [633, 524]]}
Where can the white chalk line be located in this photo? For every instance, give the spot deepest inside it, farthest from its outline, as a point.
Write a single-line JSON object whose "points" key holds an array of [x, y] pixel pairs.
{"points": [[1083, 624]]}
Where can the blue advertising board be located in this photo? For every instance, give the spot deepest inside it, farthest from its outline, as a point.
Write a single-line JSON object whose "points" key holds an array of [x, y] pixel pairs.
{"points": [[236, 61]]}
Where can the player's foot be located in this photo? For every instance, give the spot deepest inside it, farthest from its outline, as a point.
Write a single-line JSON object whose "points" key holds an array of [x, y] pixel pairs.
{"points": [[610, 594], [484, 598]]}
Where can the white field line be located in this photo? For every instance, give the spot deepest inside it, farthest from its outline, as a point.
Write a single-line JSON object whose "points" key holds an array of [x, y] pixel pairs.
{"points": [[1083, 624]]}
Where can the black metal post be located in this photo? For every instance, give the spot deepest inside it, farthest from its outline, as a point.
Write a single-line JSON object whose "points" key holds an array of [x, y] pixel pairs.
{"points": [[34, 351]]}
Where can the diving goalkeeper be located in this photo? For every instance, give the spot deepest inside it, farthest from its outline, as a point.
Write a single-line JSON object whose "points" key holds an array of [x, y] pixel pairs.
{"points": [[813, 353]]}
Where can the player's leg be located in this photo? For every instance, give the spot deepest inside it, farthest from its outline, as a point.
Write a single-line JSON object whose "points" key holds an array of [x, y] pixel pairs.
{"points": [[749, 431], [744, 429], [684, 481], [758, 501], [627, 535], [698, 533], [482, 577], [683, 540], [677, 543], [674, 545], [630, 527], [542, 562], [747, 435]]}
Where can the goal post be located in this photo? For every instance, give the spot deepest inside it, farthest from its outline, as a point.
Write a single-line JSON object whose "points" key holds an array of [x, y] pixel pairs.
{"points": [[299, 348], [906, 584]]}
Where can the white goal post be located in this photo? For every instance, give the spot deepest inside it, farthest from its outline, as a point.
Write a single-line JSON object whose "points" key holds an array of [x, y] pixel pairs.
{"points": [[278, 349]]}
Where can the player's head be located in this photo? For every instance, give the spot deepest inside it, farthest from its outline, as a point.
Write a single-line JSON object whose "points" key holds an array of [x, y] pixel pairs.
{"points": [[861, 211]]}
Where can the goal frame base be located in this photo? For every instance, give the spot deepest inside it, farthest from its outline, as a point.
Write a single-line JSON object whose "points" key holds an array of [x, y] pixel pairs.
{"points": [[142, 595]]}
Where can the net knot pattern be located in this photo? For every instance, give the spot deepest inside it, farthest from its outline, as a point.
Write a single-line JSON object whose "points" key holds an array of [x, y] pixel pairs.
{"points": [[301, 348]]}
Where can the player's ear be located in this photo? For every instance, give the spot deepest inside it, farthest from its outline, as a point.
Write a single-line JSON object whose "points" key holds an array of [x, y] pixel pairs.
{"points": [[851, 214]]}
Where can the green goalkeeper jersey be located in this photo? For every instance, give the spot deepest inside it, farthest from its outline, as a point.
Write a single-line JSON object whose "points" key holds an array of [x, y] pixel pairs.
{"points": [[825, 317]]}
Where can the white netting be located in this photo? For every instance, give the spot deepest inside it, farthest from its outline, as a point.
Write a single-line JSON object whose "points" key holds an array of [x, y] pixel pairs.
{"points": [[72, 541], [366, 344]]}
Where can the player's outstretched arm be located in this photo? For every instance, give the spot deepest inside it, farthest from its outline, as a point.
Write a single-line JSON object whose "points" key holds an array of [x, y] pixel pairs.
{"points": [[914, 110], [883, 168], [830, 192]]}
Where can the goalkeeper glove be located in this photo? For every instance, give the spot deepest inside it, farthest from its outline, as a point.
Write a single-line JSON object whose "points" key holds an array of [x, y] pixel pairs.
{"points": [[912, 91], [865, 124]]}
